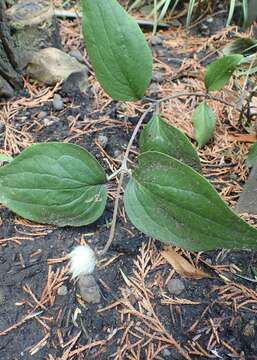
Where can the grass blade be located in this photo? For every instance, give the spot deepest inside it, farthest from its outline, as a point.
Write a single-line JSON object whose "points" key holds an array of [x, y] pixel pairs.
{"points": [[231, 11]]}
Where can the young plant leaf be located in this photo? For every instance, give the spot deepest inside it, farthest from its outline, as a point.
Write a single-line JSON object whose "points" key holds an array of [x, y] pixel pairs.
{"points": [[252, 155], [117, 49], [204, 123], [169, 201], [54, 183], [219, 71], [160, 136]]}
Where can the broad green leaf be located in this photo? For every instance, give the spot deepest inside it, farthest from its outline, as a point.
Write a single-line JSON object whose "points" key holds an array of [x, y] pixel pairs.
{"points": [[169, 201], [160, 136], [117, 49], [204, 123], [219, 71], [54, 183], [5, 158], [252, 155]]}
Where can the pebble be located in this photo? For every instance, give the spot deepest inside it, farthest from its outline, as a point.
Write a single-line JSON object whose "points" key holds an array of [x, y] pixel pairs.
{"points": [[57, 102], [89, 290], [155, 40], [204, 29], [102, 140], [48, 122], [42, 115], [118, 155], [153, 89], [77, 55], [249, 330], [175, 286], [158, 76], [62, 290], [210, 20], [166, 352]]}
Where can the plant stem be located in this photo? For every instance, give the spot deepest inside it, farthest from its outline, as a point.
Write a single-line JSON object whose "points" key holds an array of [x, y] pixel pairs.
{"points": [[123, 170], [185, 94]]}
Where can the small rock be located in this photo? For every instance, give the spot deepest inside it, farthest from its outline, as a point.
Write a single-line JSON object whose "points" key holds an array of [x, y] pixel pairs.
{"points": [[77, 55], [62, 291], [153, 89], [158, 76], [166, 353], [6, 90], [89, 290], [42, 115], [155, 40], [176, 286], [57, 102], [249, 330], [76, 82], [210, 20], [48, 122], [102, 140], [204, 29], [118, 155], [51, 65]]}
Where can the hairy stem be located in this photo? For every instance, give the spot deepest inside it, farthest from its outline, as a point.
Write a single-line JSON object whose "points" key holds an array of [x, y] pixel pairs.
{"points": [[123, 170], [186, 94]]}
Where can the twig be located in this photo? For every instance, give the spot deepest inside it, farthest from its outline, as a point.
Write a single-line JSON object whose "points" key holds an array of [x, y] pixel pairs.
{"points": [[74, 15], [123, 171]]}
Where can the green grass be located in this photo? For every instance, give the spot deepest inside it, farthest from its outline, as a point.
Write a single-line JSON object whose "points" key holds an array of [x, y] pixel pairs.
{"points": [[163, 7]]}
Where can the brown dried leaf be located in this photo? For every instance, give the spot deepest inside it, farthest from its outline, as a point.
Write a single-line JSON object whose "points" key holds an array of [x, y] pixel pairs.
{"points": [[182, 266]]}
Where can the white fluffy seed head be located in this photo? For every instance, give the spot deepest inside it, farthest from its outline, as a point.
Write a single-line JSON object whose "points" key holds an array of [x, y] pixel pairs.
{"points": [[82, 261]]}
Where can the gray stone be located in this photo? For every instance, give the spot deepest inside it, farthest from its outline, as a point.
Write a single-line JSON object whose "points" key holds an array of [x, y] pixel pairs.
{"points": [[175, 286], [158, 76], [77, 55], [48, 122], [155, 40], [62, 290], [6, 90], [57, 102], [77, 81], [89, 290], [166, 352], [118, 155], [102, 140], [210, 20], [42, 115], [52, 65], [153, 89], [249, 330]]}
